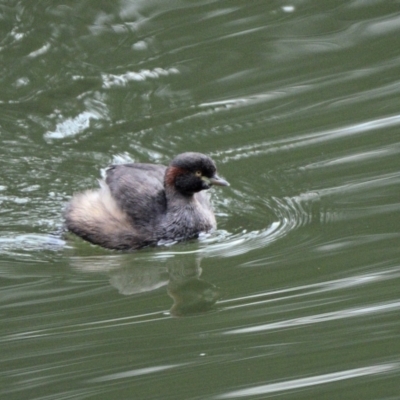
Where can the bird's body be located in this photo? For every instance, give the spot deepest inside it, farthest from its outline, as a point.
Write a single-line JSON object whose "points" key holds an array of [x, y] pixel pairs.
{"points": [[142, 204]]}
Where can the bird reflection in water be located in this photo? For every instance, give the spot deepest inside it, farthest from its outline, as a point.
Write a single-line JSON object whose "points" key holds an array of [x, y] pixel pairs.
{"points": [[179, 273], [191, 294]]}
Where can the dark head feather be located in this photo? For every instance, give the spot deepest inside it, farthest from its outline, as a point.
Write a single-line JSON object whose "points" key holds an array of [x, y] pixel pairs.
{"points": [[186, 170]]}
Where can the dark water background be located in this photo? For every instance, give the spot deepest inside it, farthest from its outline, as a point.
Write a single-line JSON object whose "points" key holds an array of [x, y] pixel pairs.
{"points": [[297, 293]]}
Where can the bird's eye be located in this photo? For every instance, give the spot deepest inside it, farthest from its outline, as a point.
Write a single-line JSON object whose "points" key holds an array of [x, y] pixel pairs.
{"points": [[198, 173]]}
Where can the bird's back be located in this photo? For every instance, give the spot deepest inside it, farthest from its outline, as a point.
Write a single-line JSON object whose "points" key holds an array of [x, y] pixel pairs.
{"points": [[138, 189]]}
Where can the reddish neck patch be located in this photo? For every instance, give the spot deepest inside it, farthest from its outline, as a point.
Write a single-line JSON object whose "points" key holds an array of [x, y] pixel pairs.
{"points": [[171, 174]]}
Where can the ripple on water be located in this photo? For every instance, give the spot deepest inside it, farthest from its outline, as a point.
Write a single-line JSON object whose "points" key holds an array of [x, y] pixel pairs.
{"points": [[280, 216], [24, 245], [316, 380]]}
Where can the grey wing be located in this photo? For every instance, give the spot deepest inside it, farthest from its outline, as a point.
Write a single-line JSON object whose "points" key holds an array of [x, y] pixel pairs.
{"points": [[138, 189]]}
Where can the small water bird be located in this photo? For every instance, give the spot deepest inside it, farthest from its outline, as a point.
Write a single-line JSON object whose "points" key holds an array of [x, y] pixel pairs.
{"points": [[140, 205]]}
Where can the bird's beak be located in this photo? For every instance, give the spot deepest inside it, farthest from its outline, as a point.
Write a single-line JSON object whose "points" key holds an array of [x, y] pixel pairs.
{"points": [[216, 180]]}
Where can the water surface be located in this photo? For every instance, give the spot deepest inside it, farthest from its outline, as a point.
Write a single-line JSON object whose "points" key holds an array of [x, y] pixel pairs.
{"points": [[296, 293]]}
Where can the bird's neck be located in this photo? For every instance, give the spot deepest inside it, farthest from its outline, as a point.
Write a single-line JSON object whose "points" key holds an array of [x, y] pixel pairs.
{"points": [[176, 199]]}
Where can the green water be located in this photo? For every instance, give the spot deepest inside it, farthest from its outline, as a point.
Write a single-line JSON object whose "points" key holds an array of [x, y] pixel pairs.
{"points": [[297, 293]]}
